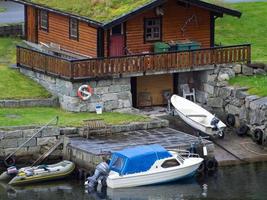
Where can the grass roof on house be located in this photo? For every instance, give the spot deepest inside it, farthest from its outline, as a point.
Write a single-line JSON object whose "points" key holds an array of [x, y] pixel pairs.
{"points": [[99, 10]]}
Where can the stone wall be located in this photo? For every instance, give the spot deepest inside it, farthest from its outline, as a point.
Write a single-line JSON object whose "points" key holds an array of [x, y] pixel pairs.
{"points": [[111, 93], [50, 102], [12, 138], [223, 99]]}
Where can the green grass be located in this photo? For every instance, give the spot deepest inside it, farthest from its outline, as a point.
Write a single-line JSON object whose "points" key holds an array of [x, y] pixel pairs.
{"points": [[250, 28], [99, 10], [14, 85], [2, 9], [8, 49], [257, 84], [40, 116]]}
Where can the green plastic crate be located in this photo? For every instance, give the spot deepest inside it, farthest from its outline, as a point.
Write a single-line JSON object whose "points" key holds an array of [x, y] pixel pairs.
{"points": [[160, 47], [194, 45]]}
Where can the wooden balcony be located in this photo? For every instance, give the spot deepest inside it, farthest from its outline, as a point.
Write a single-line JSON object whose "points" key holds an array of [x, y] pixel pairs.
{"points": [[132, 65]]}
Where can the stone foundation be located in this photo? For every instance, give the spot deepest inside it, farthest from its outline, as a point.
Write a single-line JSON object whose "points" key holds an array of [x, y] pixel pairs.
{"points": [[223, 99], [112, 93]]}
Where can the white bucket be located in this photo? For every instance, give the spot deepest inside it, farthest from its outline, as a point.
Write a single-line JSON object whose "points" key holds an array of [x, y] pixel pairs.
{"points": [[99, 109]]}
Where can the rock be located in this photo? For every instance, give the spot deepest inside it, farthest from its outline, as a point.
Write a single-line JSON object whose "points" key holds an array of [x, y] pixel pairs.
{"points": [[201, 96], [237, 68], [259, 104], [225, 92], [237, 102], [208, 88], [243, 114], [101, 90], [257, 117], [215, 102], [259, 71], [31, 143], [232, 109], [240, 93], [248, 71], [45, 141], [211, 78], [111, 105], [249, 99], [223, 77]]}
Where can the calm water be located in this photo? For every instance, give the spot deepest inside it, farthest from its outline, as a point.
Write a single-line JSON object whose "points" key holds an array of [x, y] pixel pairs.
{"points": [[244, 183]]}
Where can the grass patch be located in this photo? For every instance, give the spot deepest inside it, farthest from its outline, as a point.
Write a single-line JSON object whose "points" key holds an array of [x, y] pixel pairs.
{"points": [[2, 9], [98, 10], [8, 49], [14, 85], [249, 28], [256, 84], [40, 116]]}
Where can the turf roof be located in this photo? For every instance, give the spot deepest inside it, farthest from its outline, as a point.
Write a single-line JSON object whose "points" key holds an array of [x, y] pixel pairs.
{"points": [[102, 11]]}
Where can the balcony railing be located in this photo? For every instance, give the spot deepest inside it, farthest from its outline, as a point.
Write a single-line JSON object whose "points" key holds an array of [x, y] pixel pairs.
{"points": [[132, 64]]}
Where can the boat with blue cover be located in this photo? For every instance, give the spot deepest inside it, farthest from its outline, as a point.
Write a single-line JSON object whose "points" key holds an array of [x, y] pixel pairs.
{"points": [[146, 165]]}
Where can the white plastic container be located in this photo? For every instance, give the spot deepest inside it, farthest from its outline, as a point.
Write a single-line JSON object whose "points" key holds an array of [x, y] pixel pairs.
{"points": [[98, 109]]}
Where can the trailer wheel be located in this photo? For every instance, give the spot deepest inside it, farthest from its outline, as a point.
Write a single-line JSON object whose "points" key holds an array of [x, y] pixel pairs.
{"points": [[257, 136], [230, 120], [242, 130]]}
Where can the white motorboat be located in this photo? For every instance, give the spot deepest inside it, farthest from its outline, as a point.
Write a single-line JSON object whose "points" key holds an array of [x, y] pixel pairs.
{"points": [[146, 165], [198, 117]]}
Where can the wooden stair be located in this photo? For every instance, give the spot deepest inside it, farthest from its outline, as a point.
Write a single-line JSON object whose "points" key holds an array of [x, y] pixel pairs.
{"points": [[48, 150]]}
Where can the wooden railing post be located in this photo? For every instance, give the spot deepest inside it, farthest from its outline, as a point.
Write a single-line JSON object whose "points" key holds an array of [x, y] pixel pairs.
{"points": [[249, 54]]}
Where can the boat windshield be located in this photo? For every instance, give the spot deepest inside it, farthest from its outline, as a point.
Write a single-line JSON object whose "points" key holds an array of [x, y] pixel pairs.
{"points": [[180, 158], [117, 163]]}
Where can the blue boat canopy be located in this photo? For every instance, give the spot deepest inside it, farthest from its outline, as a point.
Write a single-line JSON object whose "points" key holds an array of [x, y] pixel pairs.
{"points": [[137, 159]]}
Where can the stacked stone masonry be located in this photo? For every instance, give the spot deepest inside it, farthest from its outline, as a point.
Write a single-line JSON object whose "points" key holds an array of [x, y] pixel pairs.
{"points": [[223, 99], [110, 93]]}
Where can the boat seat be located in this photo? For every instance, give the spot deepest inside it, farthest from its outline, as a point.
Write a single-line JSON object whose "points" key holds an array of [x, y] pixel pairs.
{"points": [[196, 115]]}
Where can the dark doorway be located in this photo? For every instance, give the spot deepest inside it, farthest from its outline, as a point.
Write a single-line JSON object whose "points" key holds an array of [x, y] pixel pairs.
{"points": [[134, 91]]}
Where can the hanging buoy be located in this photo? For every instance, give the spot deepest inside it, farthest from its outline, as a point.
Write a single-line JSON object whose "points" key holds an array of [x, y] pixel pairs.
{"points": [[242, 130], [257, 136], [230, 120], [85, 92]]}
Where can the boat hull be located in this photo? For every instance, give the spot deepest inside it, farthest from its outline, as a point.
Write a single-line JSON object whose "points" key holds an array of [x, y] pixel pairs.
{"points": [[200, 121], [47, 176], [154, 177]]}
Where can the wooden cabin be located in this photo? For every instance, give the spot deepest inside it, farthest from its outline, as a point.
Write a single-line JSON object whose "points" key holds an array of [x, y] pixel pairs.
{"points": [[150, 41]]}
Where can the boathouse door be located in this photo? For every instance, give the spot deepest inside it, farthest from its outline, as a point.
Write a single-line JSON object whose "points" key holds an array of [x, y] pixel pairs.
{"points": [[117, 42]]}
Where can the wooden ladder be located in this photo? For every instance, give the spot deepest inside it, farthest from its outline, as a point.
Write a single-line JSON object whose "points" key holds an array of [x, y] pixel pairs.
{"points": [[48, 152]]}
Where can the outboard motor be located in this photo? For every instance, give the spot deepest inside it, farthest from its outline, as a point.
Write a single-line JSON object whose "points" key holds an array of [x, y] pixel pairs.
{"points": [[214, 122], [101, 173]]}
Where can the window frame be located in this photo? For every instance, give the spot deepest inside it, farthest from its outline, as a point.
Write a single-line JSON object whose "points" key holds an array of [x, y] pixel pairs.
{"points": [[163, 165], [146, 26], [44, 28], [73, 37]]}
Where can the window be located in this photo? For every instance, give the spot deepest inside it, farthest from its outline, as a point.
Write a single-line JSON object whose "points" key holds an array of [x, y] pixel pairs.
{"points": [[74, 29], [152, 29], [170, 163], [44, 20]]}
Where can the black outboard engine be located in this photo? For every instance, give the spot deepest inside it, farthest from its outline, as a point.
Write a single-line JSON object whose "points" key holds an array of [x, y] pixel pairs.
{"points": [[214, 122], [101, 173]]}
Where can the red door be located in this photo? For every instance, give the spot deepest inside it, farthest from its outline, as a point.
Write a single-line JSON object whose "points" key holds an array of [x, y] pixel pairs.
{"points": [[116, 45]]}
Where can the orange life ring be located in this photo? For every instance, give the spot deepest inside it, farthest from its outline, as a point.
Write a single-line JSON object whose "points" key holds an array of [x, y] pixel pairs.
{"points": [[85, 92]]}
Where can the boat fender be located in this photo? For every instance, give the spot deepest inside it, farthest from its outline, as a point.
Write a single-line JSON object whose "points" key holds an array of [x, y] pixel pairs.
{"points": [[230, 120], [257, 136], [214, 122], [221, 134], [242, 130], [10, 162], [85, 92], [205, 151], [211, 164], [201, 168]]}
